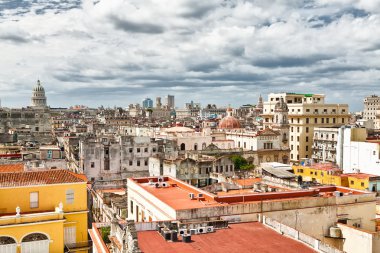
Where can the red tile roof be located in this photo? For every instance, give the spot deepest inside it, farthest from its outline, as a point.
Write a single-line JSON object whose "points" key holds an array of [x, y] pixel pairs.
{"points": [[242, 237], [44, 177], [16, 167]]}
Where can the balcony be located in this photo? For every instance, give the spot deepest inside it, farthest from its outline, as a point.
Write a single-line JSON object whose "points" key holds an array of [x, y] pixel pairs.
{"points": [[84, 246]]}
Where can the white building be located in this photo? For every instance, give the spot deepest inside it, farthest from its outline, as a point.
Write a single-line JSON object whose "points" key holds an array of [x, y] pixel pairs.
{"points": [[355, 154]]}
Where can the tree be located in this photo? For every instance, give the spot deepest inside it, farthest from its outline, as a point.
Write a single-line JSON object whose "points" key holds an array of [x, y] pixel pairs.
{"points": [[241, 163]]}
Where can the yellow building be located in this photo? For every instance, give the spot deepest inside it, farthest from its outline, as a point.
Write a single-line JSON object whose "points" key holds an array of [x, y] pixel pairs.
{"points": [[43, 211], [321, 173], [331, 175], [362, 181]]}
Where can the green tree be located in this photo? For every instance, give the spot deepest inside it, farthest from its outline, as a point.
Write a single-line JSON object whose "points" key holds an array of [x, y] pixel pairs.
{"points": [[239, 161]]}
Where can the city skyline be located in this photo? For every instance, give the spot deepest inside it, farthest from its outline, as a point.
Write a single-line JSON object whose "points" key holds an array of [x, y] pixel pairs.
{"points": [[221, 52]]}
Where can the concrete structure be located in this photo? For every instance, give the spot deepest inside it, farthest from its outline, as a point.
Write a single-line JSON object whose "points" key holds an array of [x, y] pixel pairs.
{"points": [[305, 112], [108, 157], [43, 211], [371, 109]]}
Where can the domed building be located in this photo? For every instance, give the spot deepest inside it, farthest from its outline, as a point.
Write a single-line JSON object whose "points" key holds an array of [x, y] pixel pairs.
{"points": [[38, 96], [229, 122]]}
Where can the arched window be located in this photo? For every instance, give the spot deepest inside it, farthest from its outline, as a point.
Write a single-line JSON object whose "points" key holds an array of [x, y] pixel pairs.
{"points": [[6, 240], [183, 146], [34, 237], [195, 146]]}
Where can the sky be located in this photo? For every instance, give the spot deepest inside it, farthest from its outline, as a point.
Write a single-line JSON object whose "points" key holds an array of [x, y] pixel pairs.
{"points": [[224, 52]]}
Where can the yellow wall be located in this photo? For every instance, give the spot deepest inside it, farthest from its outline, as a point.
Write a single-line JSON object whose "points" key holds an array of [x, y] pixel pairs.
{"points": [[321, 176], [356, 183], [49, 198], [54, 230]]}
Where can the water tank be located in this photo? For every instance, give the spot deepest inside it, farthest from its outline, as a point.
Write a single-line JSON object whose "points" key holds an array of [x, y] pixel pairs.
{"points": [[335, 232], [174, 236], [186, 238], [337, 193]]}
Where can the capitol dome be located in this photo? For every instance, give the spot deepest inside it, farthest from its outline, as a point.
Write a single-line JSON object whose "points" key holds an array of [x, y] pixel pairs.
{"points": [[38, 96], [229, 122]]}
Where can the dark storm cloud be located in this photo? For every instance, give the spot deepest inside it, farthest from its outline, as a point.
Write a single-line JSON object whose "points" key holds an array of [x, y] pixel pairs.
{"points": [[14, 38], [205, 67], [135, 27]]}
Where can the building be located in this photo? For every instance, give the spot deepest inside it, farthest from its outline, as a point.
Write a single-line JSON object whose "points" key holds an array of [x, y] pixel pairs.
{"points": [[38, 97], [266, 143], [229, 122], [371, 107], [356, 154], [325, 144], [168, 199], [305, 112], [170, 101], [322, 173], [113, 158], [147, 103], [43, 211]]}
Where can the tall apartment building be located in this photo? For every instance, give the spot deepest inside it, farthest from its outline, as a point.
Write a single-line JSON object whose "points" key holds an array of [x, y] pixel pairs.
{"points": [[372, 109], [170, 101], [305, 112], [325, 144]]}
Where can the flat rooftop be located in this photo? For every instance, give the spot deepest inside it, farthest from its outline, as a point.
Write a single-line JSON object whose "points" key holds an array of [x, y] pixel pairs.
{"points": [[176, 194], [242, 237]]}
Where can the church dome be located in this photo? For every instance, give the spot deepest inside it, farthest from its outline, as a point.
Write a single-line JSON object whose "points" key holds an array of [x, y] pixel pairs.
{"points": [[281, 105], [229, 122]]}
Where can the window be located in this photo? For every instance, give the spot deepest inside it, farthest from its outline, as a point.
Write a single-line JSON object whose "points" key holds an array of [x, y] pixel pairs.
{"points": [[130, 163], [298, 148], [352, 182], [131, 206], [332, 136], [154, 149], [92, 165], [362, 184], [315, 120], [298, 120], [291, 138], [33, 199], [130, 150], [138, 150], [307, 110], [145, 150], [298, 138], [298, 129], [334, 120], [138, 163], [307, 120], [307, 148], [342, 120], [70, 196], [307, 129], [327, 120], [323, 120], [307, 138], [146, 162]]}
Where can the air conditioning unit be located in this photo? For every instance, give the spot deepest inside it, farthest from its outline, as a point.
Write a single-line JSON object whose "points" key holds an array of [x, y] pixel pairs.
{"points": [[160, 179], [157, 185], [151, 182], [182, 231], [164, 184], [201, 230], [193, 231], [209, 229], [191, 195], [200, 195]]}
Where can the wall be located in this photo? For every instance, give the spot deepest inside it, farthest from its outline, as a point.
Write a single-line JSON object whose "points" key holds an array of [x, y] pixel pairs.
{"points": [[357, 240], [54, 231], [49, 198]]}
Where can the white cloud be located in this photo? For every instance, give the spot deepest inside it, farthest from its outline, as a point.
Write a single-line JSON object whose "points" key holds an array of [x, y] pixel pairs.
{"points": [[216, 49]]}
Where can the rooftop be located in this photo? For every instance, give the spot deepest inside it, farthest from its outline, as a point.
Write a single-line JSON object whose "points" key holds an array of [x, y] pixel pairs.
{"points": [[242, 237], [176, 194], [28, 178], [16, 167], [360, 175]]}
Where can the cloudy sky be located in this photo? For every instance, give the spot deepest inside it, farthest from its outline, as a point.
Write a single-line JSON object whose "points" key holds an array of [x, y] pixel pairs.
{"points": [[115, 52]]}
